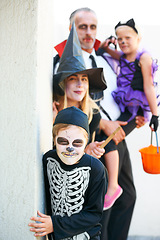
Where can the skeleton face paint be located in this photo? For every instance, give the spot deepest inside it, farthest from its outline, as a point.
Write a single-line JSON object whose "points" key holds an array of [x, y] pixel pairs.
{"points": [[70, 144]]}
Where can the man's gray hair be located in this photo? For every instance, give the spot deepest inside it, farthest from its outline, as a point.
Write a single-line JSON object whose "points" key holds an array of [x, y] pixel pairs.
{"points": [[86, 9]]}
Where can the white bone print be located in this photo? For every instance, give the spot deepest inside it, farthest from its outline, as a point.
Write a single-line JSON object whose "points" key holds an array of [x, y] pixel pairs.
{"points": [[67, 188]]}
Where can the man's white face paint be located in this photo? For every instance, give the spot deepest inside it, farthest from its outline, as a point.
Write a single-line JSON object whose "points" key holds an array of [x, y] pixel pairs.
{"points": [[70, 144]]}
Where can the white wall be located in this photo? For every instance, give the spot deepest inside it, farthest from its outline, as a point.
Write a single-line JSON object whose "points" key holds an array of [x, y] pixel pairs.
{"points": [[26, 37], [146, 218]]}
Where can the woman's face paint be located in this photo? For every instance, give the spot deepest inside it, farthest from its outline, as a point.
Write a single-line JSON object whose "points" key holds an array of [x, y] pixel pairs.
{"points": [[70, 144]]}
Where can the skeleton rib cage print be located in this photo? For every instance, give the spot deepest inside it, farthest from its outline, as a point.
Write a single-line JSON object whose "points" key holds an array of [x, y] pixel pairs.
{"points": [[67, 188]]}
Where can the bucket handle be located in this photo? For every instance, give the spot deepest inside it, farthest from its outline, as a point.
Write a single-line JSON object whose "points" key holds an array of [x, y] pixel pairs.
{"points": [[156, 140]]}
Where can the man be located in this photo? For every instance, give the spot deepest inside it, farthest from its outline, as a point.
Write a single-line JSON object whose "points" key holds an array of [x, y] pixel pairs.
{"points": [[116, 221]]}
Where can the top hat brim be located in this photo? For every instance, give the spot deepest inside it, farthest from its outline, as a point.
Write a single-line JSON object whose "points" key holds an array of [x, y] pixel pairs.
{"points": [[95, 76]]}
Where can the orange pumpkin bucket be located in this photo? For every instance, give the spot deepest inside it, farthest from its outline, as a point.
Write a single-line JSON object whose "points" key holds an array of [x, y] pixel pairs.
{"points": [[151, 158]]}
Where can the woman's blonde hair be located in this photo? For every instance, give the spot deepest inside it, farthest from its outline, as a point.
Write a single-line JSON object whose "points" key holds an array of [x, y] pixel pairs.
{"points": [[87, 105]]}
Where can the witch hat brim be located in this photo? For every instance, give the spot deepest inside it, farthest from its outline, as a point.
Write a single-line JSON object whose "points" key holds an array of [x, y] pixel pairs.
{"points": [[72, 62], [93, 75]]}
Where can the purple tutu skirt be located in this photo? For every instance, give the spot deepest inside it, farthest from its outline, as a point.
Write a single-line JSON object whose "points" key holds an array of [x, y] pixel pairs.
{"points": [[132, 100], [124, 95]]}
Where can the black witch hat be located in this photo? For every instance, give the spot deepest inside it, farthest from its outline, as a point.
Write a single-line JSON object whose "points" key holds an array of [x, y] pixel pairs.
{"points": [[72, 62]]}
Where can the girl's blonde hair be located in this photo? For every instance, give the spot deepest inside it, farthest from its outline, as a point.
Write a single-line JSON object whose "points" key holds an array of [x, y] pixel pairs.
{"points": [[138, 31]]}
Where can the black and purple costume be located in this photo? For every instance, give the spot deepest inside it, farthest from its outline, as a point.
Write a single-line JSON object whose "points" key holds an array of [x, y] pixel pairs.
{"points": [[129, 93]]}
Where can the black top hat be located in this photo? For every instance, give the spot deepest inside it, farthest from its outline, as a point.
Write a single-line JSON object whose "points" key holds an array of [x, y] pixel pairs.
{"points": [[72, 62], [73, 116]]}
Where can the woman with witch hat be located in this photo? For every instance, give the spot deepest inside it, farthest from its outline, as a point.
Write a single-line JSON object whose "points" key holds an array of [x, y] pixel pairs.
{"points": [[72, 84]]}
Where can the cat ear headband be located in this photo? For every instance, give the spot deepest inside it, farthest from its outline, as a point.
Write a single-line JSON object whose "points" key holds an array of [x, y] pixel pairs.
{"points": [[129, 23]]}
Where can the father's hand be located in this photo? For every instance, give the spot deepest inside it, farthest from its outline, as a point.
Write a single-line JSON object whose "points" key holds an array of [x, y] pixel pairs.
{"points": [[109, 127]]}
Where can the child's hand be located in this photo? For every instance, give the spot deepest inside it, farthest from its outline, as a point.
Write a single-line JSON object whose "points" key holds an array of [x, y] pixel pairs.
{"points": [[140, 121], [154, 122], [94, 149], [44, 227]]}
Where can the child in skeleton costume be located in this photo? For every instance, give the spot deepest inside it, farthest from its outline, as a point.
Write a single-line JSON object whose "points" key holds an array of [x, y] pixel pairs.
{"points": [[75, 182]]}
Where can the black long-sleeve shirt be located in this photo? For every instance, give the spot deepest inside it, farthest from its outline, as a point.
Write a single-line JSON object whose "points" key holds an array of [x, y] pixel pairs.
{"points": [[74, 195]]}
